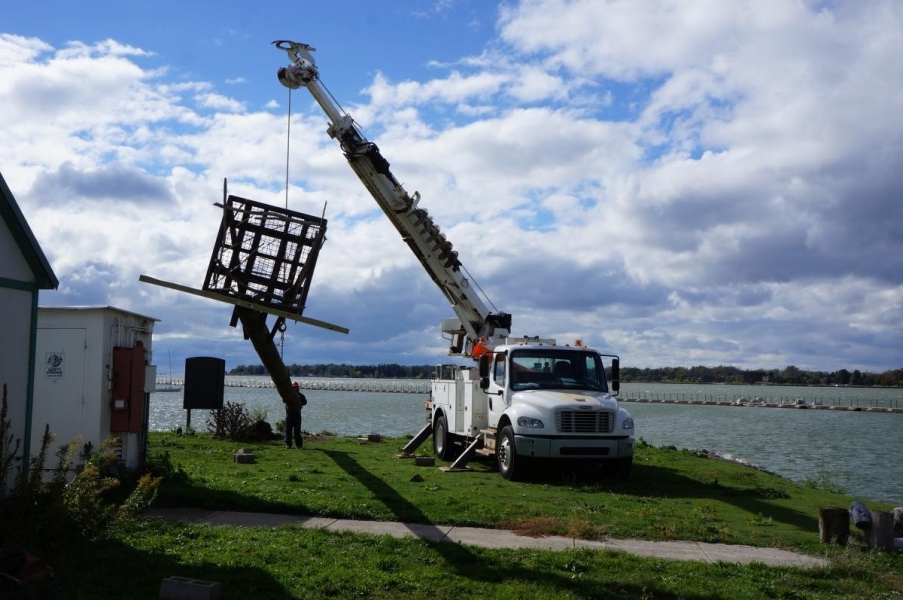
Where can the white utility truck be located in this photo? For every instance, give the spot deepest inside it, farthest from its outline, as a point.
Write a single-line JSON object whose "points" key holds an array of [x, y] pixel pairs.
{"points": [[530, 397]]}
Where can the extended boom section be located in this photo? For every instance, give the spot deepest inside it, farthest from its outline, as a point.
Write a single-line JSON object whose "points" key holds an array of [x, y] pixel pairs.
{"points": [[474, 320]]}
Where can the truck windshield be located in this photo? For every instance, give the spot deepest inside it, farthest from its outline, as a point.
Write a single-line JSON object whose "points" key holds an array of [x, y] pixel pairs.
{"points": [[548, 368]]}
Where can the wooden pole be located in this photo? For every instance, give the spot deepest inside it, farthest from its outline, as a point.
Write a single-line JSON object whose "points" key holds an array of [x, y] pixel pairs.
{"points": [[834, 525], [255, 327]]}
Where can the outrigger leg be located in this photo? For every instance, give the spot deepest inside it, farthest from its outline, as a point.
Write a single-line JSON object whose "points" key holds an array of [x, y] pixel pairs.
{"points": [[460, 463], [422, 436]]}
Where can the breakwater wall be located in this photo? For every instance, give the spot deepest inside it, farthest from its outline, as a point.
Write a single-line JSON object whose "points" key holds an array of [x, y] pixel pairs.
{"points": [[413, 386]]}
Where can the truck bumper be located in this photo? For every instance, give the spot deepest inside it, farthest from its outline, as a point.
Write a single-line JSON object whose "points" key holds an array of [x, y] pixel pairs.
{"points": [[544, 447]]}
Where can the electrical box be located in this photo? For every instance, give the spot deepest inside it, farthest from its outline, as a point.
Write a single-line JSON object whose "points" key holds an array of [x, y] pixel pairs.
{"points": [[91, 379]]}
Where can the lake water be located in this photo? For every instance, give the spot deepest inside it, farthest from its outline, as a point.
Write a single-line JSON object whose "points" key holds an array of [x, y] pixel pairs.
{"points": [[862, 451]]}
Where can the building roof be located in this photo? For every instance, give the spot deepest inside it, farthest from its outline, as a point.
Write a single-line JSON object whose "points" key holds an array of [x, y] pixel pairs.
{"points": [[31, 250]]}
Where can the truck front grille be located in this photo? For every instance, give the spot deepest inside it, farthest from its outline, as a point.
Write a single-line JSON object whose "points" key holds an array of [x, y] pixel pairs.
{"points": [[584, 421]]}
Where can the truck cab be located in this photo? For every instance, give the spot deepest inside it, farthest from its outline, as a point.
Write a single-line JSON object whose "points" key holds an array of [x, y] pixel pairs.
{"points": [[535, 399]]}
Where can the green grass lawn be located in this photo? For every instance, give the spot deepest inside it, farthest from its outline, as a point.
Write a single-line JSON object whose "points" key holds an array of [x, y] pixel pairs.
{"points": [[672, 494]]}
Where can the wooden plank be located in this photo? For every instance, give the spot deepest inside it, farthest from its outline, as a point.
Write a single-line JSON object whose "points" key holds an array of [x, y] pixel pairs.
{"points": [[243, 303]]}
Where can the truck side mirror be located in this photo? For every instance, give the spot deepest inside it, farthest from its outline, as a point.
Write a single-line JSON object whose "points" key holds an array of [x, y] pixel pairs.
{"points": [[484, 372], [615, 375]]}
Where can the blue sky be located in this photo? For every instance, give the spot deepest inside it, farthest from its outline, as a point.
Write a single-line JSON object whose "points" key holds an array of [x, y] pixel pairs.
{"points": [[681, 183]]}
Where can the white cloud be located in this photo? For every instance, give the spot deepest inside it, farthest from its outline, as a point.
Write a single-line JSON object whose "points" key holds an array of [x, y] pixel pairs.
{"points": [[680, 182]]}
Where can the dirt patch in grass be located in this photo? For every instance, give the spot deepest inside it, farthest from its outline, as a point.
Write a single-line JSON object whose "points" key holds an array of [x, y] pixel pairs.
{"points": [[536, 527], [578, 528]]}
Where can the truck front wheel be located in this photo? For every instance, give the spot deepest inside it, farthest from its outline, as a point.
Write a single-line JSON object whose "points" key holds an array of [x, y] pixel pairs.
{"points": [[511, 466]]}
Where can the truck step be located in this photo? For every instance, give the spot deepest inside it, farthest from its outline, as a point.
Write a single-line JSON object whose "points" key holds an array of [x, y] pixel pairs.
{"points": [[486, 452]]}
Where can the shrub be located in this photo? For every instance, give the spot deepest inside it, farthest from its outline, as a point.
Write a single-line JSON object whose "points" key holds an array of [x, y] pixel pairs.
{"points": [[140, 498], [43, 514], [83, 499], [261, 431], [234, 422], [231, 421], [160, 465], [9, 445]]}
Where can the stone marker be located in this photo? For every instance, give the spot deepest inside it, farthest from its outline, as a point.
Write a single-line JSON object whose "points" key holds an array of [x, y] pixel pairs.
{"points": [[243, 456], [184, 588]]}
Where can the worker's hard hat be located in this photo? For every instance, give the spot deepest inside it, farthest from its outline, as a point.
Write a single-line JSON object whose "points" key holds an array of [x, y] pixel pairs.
{"points": [[296, 384]]}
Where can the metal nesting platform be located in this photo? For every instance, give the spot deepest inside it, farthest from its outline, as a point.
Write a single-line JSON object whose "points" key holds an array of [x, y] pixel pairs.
{"points": [[263, 259]]}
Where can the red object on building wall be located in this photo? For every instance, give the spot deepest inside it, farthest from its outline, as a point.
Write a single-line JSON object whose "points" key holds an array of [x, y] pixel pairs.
{"points": [[128, 398]]}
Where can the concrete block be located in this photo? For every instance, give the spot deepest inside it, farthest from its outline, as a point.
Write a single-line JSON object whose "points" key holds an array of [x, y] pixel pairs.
{"points": [[243, 457], [184, 588], [424, 461]]}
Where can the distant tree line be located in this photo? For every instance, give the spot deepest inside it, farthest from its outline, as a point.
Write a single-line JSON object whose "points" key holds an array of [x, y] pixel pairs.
{"points": [[721, 374], [787, 376]]}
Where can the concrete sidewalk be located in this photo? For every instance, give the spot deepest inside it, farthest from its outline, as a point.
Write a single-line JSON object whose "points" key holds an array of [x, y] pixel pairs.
{"points": [[496, 538]]}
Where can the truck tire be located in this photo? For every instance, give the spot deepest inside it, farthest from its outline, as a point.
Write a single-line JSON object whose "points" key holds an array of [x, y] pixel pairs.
{"points": [[511, 466], [619, 468], [442, 440]]}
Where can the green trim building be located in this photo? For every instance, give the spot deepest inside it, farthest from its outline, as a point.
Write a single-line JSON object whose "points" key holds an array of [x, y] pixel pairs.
{"points": [[24, 272]]}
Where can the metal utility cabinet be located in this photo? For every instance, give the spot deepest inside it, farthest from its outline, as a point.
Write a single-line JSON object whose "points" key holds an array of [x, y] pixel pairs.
{"points": [[93, 379]]}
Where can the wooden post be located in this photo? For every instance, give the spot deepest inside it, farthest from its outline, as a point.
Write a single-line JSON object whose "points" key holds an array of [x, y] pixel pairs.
{"points": [[833, 525], [255, 328], [880, 535]]}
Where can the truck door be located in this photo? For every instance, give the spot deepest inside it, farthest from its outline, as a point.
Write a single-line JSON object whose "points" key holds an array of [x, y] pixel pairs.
{"points": [[497, 391]]}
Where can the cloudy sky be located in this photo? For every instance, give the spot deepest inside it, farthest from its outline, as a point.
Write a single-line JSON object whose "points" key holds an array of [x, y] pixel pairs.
{"points": [[681, 182]]}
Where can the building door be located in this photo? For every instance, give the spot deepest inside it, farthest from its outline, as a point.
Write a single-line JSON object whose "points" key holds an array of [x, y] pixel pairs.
{"points": [[59, 390]]}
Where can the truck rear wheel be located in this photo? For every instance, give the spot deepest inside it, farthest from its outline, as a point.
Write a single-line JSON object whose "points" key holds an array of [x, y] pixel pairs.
{"points": [[511, 466], [442, 440]]}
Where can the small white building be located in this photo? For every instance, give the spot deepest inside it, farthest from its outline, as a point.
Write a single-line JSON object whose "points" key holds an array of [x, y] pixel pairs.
{"points": [[94, 378], [24, 271]]}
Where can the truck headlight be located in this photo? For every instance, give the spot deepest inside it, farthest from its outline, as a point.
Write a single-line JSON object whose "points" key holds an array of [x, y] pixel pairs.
{"points": [[529, 422], [627, 424]]}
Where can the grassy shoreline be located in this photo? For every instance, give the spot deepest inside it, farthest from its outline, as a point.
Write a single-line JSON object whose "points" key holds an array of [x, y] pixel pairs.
{"points": [[672, 495]]}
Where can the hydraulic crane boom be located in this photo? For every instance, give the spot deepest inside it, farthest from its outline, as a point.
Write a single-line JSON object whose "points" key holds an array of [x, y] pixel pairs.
{"points": [[474, 320]]}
